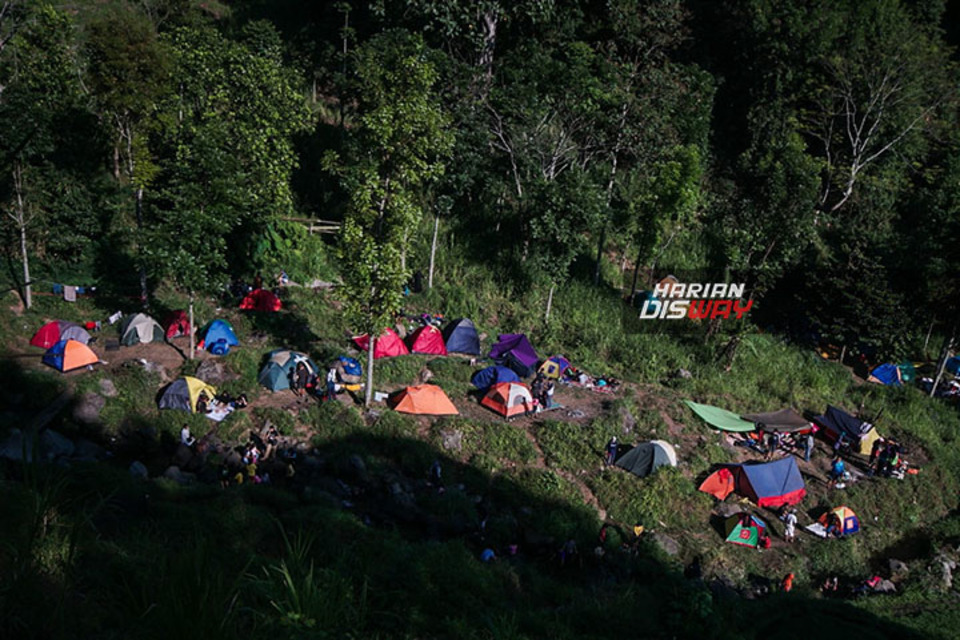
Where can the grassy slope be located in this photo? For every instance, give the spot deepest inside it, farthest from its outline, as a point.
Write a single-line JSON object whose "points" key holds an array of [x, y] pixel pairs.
{"points": [[328, 574]]}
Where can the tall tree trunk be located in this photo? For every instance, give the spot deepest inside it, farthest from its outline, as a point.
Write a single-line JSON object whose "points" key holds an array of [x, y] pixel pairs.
{"points": [[143, 268], [610, 182], [485, 60], [192, 336], [600, 243], [433, 250], [926, 341], [368, 392], [636, 275], [942, 362], [21, 219], [546, 316]]}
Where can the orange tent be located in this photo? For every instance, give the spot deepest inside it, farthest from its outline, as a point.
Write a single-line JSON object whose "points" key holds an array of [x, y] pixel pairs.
{"points": [[509, 399], [424, 400], [719, 484], [67, 355]]}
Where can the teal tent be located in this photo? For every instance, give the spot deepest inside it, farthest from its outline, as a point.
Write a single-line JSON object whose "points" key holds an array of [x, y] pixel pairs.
{"points": [[276, 373]]}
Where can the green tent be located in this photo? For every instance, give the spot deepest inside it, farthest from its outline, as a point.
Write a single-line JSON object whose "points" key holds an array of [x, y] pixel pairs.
{"points": [[721, 418], [276, 373], [744, 529], [140, 328], [647, 457]]}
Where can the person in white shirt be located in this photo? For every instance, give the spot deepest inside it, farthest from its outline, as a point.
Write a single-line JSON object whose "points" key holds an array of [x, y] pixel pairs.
{"points": [[791, 525], [185, 436]]}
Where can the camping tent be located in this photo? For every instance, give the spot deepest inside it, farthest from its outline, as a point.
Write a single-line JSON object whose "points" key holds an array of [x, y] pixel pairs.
{"points": [[785, 421], [67, 355], [426, 399], [953, 365], [849, 522], [260, 300], [888, 374], [183, 393], [388, 345], [516, 352], [770, 484], [486, 378], [461, 337], [176, 324], [276, 373], [509, 399], [647, 457], [53, 332], [860, 433], [744, 529], [140, 328], [218, 337], [720, 418], [554, 367], [428, 339]]}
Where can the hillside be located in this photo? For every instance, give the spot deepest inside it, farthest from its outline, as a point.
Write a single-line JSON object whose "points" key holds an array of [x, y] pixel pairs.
{"points": [[358, 543]]}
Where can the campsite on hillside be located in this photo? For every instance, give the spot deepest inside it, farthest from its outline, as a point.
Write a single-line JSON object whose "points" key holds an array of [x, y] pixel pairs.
{"points": [[480, 320]]}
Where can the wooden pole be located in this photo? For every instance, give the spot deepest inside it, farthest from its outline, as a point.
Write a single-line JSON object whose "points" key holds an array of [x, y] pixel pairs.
{"points": [[192, 337]]}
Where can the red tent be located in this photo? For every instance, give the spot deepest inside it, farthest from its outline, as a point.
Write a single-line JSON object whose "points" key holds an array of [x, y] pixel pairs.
{"points": [[389, 344], [176, 324], [261, 300], [428, 339]]}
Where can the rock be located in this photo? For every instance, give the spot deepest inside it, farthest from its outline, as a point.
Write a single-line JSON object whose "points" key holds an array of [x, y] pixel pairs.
{"points": [[107, 388], [669, 546], [87, 410], [452, 440], [726, 509], [627, 420], [13, 447], [137, 470], [153, 367], [213, 372], [897, 567], [14, 303], [357, 464], [88, 451], [886, 586], [425, 375], [55, 445], [174, 473], [683, 374], [575, 413], [182, 456]]}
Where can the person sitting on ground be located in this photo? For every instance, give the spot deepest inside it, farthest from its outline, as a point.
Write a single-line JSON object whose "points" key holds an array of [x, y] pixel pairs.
{"points": [[834, 526], [830, 585], [203, 403], [241, 402], [764, 542], [185, 437], [271, 438], [837, 470]]}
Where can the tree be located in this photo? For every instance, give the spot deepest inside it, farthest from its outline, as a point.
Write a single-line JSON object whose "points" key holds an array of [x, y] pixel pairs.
{"points": [[127, 72], [395, 150], [36, 88]]}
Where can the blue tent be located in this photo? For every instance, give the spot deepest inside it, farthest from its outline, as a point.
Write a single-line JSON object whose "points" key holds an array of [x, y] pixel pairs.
{"points": [[351, 366], [486, 378], [888, 374], [219, 337], [461, 337], [772, 484], [953, 365]]}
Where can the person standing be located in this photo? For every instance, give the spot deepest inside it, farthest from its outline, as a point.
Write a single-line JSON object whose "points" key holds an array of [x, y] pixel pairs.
{"points": [[808, 445], [790, 530], [612, 448]]}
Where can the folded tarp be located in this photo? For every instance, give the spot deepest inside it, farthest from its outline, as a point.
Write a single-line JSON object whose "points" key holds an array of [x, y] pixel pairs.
{"points": [[785, 420], [720, 418]]}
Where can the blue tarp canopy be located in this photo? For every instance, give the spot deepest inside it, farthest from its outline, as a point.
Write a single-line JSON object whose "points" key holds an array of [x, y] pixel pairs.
{"points": [[886, 374], [486, 378]]}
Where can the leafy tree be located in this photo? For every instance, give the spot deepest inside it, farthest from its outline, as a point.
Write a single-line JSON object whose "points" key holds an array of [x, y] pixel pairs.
{"points": [[38, 88], [397, 148], [127, 73]]}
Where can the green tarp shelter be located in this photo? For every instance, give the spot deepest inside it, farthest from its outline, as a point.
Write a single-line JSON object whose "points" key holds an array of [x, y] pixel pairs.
{"points": [[721, 418], [647, 457]]}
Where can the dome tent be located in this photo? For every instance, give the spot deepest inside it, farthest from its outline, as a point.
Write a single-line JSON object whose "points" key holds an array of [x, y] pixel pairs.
{"points": [[426, 399], [68, 355], [647, 457], [509, 399], [183, 393], [276, 373], [53, 332], [461, 337], [218, 337], [140, 329]]}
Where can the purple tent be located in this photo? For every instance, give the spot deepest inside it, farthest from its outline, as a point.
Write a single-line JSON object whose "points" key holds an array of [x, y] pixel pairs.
{"points": [[516, 352]]}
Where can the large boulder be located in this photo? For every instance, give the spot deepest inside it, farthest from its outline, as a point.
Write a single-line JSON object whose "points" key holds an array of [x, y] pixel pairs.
{"points": [[138, 470], [213, 372], [55, 445], [107, 388], [153, 367], [88, 451], [669, 546], [13, 447], [87, 410], [452, 440], [180, 477]]}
